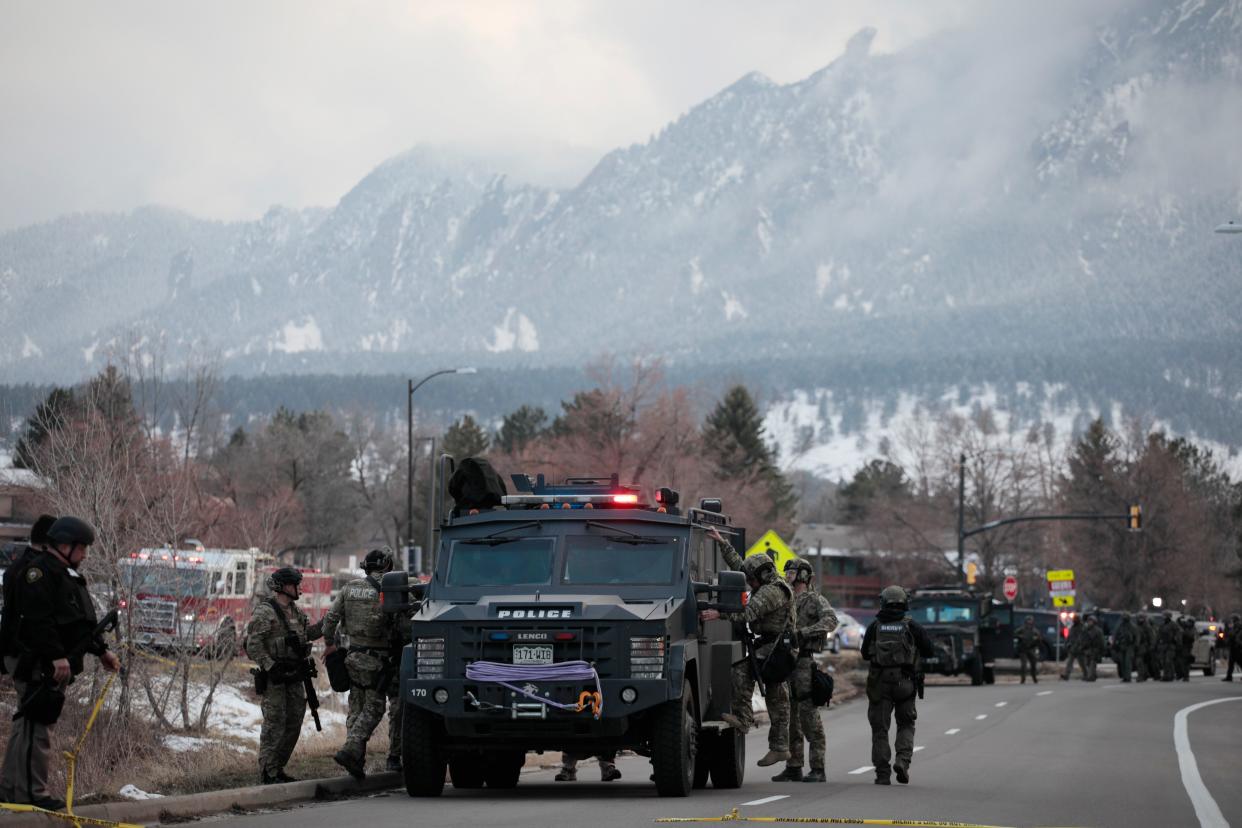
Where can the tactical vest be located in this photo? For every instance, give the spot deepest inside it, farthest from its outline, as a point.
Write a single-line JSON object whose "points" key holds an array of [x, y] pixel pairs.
{"points": [[894, 644]]}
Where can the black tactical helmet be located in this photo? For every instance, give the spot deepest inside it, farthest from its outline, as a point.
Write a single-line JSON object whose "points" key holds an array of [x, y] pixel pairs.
{"points": [[378, 559], [283, 577], [754, 566], [71, 531], [38, 532], [803, 571], [893, 595]]}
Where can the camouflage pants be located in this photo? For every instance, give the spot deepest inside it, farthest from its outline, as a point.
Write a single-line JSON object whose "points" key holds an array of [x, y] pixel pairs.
{"points": [[890, 692], [366, 704], [284, 707], [1083, 661], [778, 706], [1168, 668], [1142, 659], [804, 721], [1125, 662], [1028, 660]]}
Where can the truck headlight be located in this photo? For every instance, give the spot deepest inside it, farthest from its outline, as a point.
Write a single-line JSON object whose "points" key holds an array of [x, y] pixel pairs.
{"points": [[429, 658], [647, 656]]}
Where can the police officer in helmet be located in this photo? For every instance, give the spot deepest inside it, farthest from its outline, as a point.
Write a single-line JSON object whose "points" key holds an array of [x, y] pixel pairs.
{"points": [[893, 644], [50, 623], [370, 662], [278, 639]]}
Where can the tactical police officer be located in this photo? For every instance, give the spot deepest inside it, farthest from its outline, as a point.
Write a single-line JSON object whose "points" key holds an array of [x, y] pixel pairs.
{"points": [[769, 612], [371, 662], [816, 620], [1093, 646], [1168, 640], [1125, 639], [1144, 646], [1186, 647], [1026, 641], [1076, 650], [52, 619], [1233, 640], [893, 644], [278, 639], [607, 767]]}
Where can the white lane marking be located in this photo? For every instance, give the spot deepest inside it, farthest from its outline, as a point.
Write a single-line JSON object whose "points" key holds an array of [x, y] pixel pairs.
{"points": [[981, 717], [953, 731], [1205, 807], [765, 800], [863, 769], [1044, 693], [1001, 704], [917, 748]]}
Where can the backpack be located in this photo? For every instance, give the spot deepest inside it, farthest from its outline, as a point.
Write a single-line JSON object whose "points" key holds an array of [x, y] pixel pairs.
{"points": [[476, 485], [894, 645]]}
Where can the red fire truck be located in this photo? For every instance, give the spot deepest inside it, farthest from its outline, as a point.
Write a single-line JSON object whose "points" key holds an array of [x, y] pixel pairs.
{"points": [[198, 597]]}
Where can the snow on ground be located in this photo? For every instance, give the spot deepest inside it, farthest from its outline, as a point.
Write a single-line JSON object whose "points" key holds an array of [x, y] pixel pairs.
{"points": [[835, 455], [235, 716], [188, 744], [132, 792]]}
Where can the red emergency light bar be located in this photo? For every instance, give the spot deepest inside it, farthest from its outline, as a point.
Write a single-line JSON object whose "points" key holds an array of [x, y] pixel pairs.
{"points": [[625, 498]]}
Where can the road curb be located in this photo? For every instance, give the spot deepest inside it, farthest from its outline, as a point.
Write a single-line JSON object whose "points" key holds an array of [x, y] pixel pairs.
{"points": [[150, 811]]}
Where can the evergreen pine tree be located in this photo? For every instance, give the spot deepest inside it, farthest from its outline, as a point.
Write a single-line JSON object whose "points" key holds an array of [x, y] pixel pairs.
{"points": [[50, 414], [465, 438], [521, 428], [733, 434]]}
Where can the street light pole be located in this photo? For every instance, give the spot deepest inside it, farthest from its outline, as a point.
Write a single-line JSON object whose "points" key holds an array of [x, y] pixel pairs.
{"points": [[961, 517], [411, 387]]}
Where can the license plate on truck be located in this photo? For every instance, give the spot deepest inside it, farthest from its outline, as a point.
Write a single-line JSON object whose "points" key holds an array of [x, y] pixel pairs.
{"points": [[528, 655]]}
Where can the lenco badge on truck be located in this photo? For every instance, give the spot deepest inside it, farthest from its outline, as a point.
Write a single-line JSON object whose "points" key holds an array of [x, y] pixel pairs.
{"points": [[533, 613]]}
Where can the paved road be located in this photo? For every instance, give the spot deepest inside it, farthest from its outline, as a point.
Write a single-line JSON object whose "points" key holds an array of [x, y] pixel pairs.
{"points": [[1056, 753]]}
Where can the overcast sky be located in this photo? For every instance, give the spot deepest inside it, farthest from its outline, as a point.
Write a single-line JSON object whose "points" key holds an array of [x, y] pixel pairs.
{"points": [[226, 108]]}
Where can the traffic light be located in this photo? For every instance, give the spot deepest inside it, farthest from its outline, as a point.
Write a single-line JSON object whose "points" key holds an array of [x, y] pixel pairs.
{"points": [[1136, 518], [972, 572]]}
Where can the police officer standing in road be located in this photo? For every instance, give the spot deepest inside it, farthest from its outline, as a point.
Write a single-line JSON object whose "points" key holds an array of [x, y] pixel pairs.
{"points": [[1144, 646], [278, 639], [1075, 649], [54, 619], [1093, 646], [1168, 639], [1185, 647], [1233, 641], [1026, 641], [816, 620], [370, 663], [1125, 638], [769, 613], [893, 644]]}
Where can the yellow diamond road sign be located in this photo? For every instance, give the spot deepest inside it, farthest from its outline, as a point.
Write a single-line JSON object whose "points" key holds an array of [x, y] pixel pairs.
{"points": [[772, 541], [1063, 601]]}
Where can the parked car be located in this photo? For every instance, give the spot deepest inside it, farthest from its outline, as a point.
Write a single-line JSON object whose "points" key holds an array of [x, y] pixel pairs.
{"points": [[849, 633]]}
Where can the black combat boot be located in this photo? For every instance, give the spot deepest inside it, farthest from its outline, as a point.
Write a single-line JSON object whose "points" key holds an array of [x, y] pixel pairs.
{"points": [[816, 775], [49, 803], [393, 764], [354, 765], [789, 775], [882, 780], [902, 774], [284, 777]]}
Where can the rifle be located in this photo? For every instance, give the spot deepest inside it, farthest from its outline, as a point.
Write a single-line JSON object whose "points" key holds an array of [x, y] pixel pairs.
{"points": [[312, 698]]}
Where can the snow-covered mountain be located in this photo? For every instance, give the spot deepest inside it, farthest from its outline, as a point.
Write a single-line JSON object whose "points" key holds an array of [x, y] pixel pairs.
{"points": [[1005, 193]]}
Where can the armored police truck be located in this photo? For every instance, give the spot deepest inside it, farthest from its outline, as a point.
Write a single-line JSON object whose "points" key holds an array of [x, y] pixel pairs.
{"points": [[565, 618], [970, 631]]}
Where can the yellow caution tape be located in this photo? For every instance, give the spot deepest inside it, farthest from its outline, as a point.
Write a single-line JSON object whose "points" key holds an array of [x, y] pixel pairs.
{"points": [[74, 818], [71, 756], [734, 816]]}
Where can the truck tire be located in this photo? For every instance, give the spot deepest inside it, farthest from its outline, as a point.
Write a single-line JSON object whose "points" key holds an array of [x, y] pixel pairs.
{"points": [[727, 758], [466, 771], [1209, 669], [708, 739], [674, 745], [504, 769], [422, 761], [976, 671], [989, 675]]}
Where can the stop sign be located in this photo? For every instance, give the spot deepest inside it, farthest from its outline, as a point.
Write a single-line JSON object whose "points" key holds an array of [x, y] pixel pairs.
{"points": [[1011, 588]]}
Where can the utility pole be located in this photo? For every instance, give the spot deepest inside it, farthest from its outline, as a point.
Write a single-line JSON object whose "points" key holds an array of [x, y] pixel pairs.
{"points": [[961, 517]]}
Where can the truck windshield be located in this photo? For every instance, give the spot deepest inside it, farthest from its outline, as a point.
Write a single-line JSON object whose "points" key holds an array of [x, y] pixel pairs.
{"points": [[623, 559], [169, 580], [943, 613], [517, 561]]}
